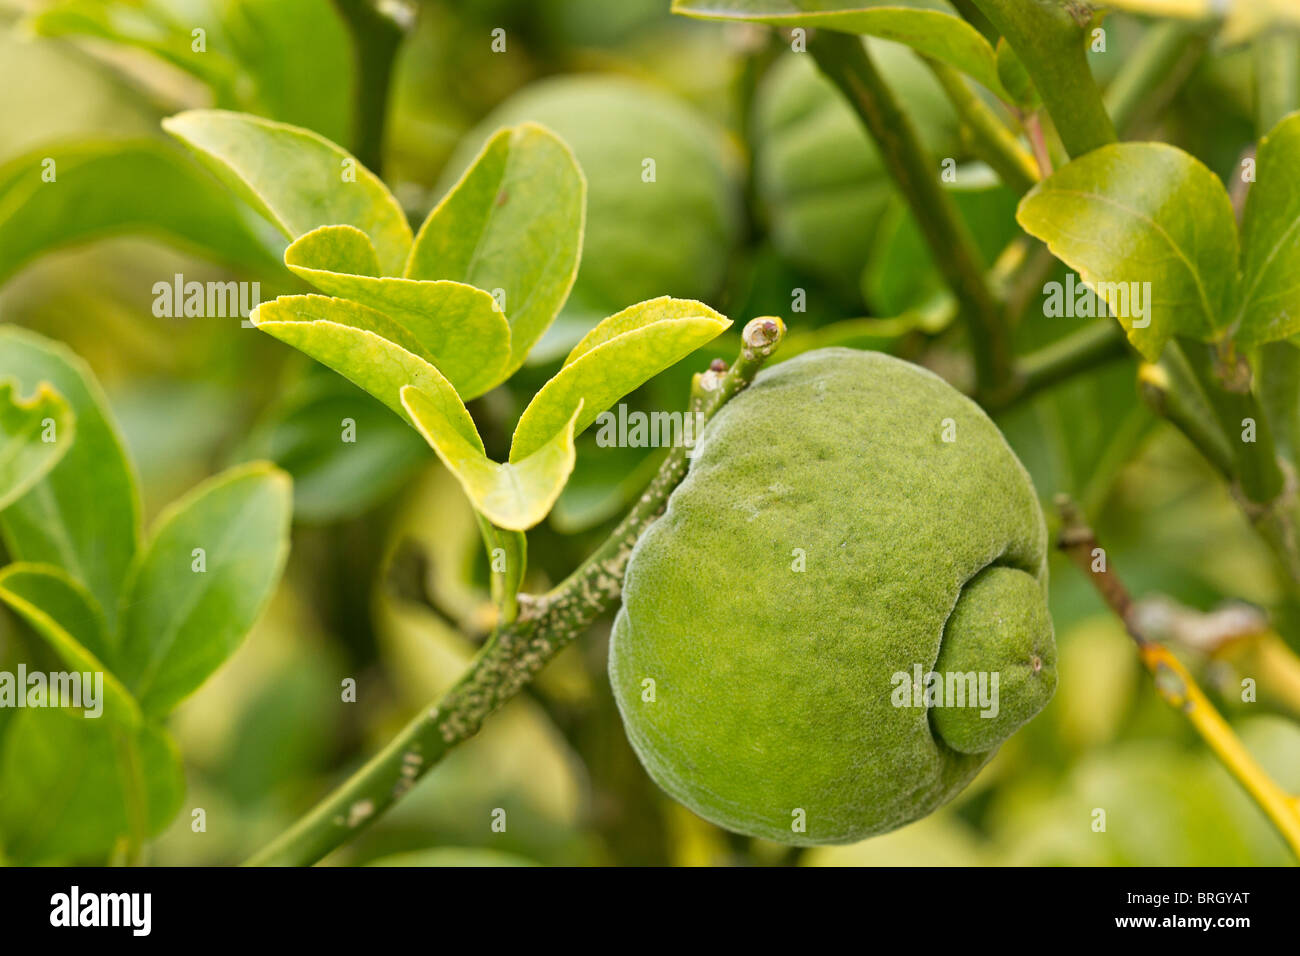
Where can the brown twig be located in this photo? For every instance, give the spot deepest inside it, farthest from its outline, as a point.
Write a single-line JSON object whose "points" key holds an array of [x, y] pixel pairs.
{"points": [[1173, 682], [1077, 540]]}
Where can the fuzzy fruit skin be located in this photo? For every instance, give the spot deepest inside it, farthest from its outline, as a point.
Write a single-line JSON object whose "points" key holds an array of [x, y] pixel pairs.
{"points": [[773, 686]]}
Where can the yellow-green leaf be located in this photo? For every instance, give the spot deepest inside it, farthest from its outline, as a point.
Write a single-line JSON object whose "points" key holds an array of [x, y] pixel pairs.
{"points": [[1270, 239], [344, 249], [931, 27], [363, 345], [456, 324], [296, 178], [621, 353], [514, 222], [1143, 223], [516, 495]]}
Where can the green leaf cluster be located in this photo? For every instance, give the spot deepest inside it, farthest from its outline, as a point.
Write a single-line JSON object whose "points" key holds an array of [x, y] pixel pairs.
{"points": [[427, 322], [155, 614]]}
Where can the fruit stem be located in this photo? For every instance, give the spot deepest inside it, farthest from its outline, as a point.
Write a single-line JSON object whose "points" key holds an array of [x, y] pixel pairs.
{"points": [[844, 60], [1174, 683], [517, 650]]}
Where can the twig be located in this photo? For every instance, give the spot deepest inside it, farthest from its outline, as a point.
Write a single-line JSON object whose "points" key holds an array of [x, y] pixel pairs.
{"points": [[844, 59], [1174, 683], [1024, 284], [991, 140], [1049, 36], [1090, 347], [1038, 140], [515, 653], [1173, 402], [1211, 415]]}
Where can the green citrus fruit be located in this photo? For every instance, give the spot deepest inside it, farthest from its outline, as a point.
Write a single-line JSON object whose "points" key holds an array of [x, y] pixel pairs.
{"points": [[851, 530]]}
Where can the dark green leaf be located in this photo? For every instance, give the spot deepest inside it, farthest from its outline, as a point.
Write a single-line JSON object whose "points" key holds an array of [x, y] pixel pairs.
{"points": [[931, 27], [1270, 239], [334, 478], [103, 187], [211, 565], [83, 516], [64, 791], [65, 614]]}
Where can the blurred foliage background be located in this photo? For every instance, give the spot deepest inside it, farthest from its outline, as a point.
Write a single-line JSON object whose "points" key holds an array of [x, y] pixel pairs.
{"points": [[765, 186]]}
